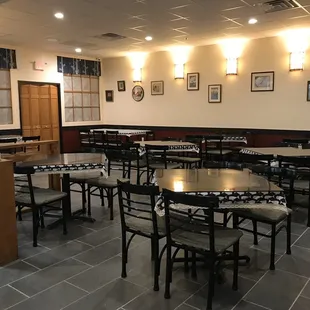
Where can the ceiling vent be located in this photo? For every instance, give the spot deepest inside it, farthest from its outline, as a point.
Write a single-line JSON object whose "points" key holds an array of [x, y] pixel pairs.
{"points": [[109, 36], [279, 5]]}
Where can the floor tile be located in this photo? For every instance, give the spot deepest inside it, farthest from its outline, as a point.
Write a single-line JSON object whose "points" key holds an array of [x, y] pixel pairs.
{"points": [[269, 292], [301, 304], [45, 278], [98, 276], [224, 298], [304, 240], [104, 235], [54, 298], [306, 291], [9, 297], [185, 307], [244, 305], [298, 262], [110, 297], [101, 253], [15, 271], [28, 250], [57, 254], [265, 243]]}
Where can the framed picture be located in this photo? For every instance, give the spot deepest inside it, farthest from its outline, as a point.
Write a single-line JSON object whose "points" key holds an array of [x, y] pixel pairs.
{"points": [[215, 93], [157, 88], [109, 96], [193, 81], [137, 93], [121, 86], [262, 81], [308, 91]]}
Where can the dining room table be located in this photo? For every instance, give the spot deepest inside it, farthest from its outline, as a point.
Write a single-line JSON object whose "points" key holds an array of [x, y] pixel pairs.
{"points": [[65, 165], [277, 151]]}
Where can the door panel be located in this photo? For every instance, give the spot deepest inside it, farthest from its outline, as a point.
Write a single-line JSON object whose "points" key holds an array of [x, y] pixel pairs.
{"points": [[39, 111]]}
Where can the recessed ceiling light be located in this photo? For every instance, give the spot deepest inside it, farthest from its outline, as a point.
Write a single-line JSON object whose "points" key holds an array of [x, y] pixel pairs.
{"points": [[148, 38], [52, 40], [78, 50], [252, 21], [59, 15]]}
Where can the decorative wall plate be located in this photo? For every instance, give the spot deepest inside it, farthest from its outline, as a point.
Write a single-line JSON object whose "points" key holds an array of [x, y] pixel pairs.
{"points": [[137, 93]]}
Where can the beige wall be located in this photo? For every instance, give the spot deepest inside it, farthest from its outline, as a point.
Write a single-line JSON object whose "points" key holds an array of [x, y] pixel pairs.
{"points": [[285, 108], [25, 72]]}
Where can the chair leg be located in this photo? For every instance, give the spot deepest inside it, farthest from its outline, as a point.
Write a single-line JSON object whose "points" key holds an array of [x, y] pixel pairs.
{"points": [[83, 197], [236, 266], [186, 268], [152, 249], [168, 272], [255, 232], [225, 219], [89, 200], [156, 264], [101, 197], [19, 213], [194, 270], [288, 234], [64, 220], [110, 203], [35, 219], [273, 247], [124, 255], [211, 287]]}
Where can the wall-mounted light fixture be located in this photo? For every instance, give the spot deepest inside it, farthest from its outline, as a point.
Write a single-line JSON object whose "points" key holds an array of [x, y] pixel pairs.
{"points": [[232, 66], [297, 61], [137, 75], [179, 71]]}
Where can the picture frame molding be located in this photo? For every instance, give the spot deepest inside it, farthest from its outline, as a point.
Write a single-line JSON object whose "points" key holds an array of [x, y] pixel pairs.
{"points": [[262, 72], [107, 99], [198, 81], [308, 91], [163, 88], [118, 86], [136, 86], [220, 87]]}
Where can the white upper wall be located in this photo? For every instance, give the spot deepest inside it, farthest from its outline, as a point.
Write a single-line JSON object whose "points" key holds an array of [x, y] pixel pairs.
{"points": [[25, 72], [285, 108]]}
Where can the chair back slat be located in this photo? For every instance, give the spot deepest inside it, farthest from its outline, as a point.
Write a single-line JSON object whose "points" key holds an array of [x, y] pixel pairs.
{"points": [[23, 182], [156, 154]]}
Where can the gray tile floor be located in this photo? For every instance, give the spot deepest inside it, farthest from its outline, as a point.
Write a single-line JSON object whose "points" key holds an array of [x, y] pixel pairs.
{"points": [[82, 271]]}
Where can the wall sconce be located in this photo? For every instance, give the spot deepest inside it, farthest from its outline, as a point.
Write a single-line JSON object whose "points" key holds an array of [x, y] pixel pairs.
{"points": [[232, 66], [137, 75], [297, 61], [179, 71]]}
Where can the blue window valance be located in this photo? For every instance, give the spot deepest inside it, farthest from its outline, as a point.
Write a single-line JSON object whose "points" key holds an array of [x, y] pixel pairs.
{"points": [[7, 58], [68, 65]]}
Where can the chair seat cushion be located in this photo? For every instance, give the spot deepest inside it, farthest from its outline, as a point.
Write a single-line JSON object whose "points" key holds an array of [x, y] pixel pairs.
{"points": [[224, 238], [146, 227], [83, 176], [218, 152], [42, 196], [265, 214], [106, 182], [162, 166], [184, 159], [142, 164]]}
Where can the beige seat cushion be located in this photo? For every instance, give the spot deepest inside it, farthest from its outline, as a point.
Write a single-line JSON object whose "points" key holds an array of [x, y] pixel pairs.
{"points": [[106, 182], [162, 166]]}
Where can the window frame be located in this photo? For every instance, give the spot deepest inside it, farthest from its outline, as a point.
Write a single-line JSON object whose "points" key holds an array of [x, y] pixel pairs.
{"points": [[11, 102]]}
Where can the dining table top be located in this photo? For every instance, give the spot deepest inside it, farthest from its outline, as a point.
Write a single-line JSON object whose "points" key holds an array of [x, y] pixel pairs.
{"points": [[66, 162], [278, 151], [164, 143], [213, 180], [21, 144]]}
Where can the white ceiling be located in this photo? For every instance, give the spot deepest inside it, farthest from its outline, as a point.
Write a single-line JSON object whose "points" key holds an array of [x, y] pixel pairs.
{"points": [[31, 23]]}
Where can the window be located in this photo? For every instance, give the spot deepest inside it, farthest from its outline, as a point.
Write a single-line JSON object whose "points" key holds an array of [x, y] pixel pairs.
{"points": [[5, 98], [82, 102]]}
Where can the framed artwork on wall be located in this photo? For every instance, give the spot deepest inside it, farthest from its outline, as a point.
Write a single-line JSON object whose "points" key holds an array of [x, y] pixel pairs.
{"points": [[121, 86], [137, 93], [157, 88], [308, 91], [193, 81], [109, 96], [262, 81], [215, 93]]}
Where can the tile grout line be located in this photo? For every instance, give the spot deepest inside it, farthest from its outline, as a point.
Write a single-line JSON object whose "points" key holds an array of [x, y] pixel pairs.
{"points": [[294, 274], [298, 295], [247, 293], [81, 289], [253, 303], [15, 289], [184, 303], [31, 265], [82, 242]]}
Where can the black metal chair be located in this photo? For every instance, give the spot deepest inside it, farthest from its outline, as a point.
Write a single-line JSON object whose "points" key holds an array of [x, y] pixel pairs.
{"points": [[109, 184], [197, 233], [31, 138], [9, 140], [214, 148], [86, 140], [39, 200], [140, 219], [156, 158], [111, 135]]}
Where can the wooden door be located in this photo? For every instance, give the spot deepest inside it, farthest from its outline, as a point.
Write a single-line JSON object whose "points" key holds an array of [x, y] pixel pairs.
{"points": [[39, 111]]}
